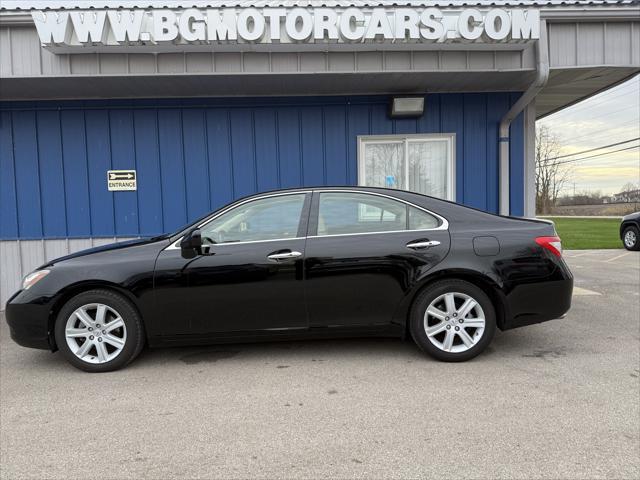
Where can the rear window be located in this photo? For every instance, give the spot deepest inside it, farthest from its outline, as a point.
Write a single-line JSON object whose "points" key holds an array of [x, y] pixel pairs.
{"points": [[353, 213], [421, 220]]}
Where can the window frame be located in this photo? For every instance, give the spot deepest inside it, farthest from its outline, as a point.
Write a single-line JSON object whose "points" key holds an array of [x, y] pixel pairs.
{"points": [[308, 227], [406, 139], [315, 212], [303, 222]]}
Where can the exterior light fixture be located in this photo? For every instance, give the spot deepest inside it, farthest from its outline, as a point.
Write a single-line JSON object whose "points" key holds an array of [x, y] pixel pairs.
{"points": [[403, 107]]}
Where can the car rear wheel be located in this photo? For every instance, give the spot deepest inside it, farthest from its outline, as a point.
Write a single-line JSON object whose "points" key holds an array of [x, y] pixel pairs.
{"points": [[99, 331], [630, 238], [453, 320]]}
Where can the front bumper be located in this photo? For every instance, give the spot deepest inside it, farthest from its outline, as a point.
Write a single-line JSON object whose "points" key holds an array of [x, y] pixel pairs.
{"points": [[28, 320]]}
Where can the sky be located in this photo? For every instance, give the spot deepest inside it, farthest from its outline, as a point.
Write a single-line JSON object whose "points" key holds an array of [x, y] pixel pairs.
{"points": [[609, 117]]}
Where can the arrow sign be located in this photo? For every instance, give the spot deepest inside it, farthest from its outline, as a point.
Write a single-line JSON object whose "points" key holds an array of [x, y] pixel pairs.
{"points": [[118, 176], [121, 180]]}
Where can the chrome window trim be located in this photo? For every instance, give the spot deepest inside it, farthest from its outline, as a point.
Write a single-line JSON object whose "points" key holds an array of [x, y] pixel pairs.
{"points": [[176, 245], [444, 225], [371, 233]]}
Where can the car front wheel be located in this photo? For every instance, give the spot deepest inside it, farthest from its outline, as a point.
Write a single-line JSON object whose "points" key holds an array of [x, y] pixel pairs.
{"points": [[630, 238], [99, 331], [453, 320]]}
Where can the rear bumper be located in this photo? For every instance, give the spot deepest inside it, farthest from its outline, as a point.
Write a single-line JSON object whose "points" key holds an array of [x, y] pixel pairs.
{"points": [[29, 323], [532, 303]]}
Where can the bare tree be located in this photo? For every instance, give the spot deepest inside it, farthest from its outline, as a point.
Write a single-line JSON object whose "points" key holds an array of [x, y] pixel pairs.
{"points": [[629, 192], [551, 173]]}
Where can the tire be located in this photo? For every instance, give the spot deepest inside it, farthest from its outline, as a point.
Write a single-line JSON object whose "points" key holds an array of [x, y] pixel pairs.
{"points": [[107, 350], [447, 323], [630, 238]]}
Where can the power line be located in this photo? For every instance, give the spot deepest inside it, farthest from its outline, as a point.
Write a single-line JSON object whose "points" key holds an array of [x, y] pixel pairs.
{"points": [[591, 135], [585, 104], [607, 114], [617, 88], [594, 149], [598, 108], [620, 86], [626, 88], [597, 155]]}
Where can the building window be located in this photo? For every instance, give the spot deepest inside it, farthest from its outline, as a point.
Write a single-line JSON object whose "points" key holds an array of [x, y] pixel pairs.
{"points": [[418, 163]]}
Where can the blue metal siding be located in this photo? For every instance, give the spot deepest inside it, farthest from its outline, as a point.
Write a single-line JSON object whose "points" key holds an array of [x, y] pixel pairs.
{"points": [[497, 105], [194, 155], [54, 215], [452, 120], [149, 171], [8, 197], [99, 161], [27, 178]]}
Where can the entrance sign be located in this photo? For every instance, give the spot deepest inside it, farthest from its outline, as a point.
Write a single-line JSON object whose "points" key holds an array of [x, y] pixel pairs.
{"points": [[122, 180], [109, 28]]}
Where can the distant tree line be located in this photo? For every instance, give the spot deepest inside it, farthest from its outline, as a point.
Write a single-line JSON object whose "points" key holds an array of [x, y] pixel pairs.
{"points": [[629, 193]]}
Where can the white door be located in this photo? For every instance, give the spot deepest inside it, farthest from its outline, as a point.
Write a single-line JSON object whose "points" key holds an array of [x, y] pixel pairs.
{"points": [[418, 163]]}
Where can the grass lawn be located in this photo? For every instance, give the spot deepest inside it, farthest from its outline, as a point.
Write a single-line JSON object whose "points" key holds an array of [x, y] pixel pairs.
{"points": [[587, 233]]}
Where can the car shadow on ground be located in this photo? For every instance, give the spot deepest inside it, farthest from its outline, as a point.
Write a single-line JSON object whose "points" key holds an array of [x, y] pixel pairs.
{"points": [[519, 343], [516, 343], [281, 352]]}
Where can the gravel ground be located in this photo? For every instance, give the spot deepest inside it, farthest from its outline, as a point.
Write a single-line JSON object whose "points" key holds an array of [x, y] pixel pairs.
{"points": [[556, 400]]}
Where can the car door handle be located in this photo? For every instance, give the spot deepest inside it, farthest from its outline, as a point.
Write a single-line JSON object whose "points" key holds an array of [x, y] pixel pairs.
{"points": [[423, 244], [284, 255]]}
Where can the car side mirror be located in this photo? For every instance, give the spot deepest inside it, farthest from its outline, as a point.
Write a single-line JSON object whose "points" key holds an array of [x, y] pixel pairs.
{"points": [[192, 240]]}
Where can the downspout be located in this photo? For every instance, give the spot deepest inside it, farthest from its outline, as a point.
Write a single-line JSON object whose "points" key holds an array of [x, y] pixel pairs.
{"points": [[542, 75]]}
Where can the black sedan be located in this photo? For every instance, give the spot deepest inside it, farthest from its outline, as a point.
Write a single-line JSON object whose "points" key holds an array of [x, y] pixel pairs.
{"points": [[630, 231], [314, 262]]}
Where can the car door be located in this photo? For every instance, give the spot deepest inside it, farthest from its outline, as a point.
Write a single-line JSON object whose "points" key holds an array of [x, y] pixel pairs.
{"points": [[248, 275], [364, 253]]}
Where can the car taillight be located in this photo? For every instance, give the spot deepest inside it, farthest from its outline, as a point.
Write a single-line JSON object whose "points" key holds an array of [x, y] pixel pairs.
{"points": [[553, 244]]}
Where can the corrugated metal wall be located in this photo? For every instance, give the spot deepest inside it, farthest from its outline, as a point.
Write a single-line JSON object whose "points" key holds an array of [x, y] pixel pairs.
{"points": [[195, 155], [582, 44], [19, 257]]}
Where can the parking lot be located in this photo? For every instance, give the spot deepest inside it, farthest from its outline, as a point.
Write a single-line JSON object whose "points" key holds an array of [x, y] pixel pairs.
{"points": [[556, 400]]}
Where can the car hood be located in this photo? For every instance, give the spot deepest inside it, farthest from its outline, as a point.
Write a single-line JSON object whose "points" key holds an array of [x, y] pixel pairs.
{"points": [[631, 216], [105, 248]]}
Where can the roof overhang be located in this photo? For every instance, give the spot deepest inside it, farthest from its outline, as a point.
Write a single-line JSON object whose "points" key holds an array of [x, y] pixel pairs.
{"points": [[593, 45], [242, 84], [569, 86]]}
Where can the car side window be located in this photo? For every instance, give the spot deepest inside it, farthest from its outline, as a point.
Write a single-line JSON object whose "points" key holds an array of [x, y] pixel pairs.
{"points": [[348, 213], [421, 220], [262, 219]]}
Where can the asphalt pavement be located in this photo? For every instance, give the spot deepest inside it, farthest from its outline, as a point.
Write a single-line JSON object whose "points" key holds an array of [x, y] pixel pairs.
{"points": [[555, 400]]}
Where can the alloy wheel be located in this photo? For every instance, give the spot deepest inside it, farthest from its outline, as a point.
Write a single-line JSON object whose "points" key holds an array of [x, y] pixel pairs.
{"points": [[630, 238], [454, 322], [95, 333]]}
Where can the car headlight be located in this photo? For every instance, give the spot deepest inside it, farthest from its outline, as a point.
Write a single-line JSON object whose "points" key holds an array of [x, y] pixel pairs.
{"points": [[33, 278]]}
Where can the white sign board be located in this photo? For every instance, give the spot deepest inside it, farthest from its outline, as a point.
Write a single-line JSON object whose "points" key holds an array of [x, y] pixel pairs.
{"points": [[215, 27], [122, 180]]}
